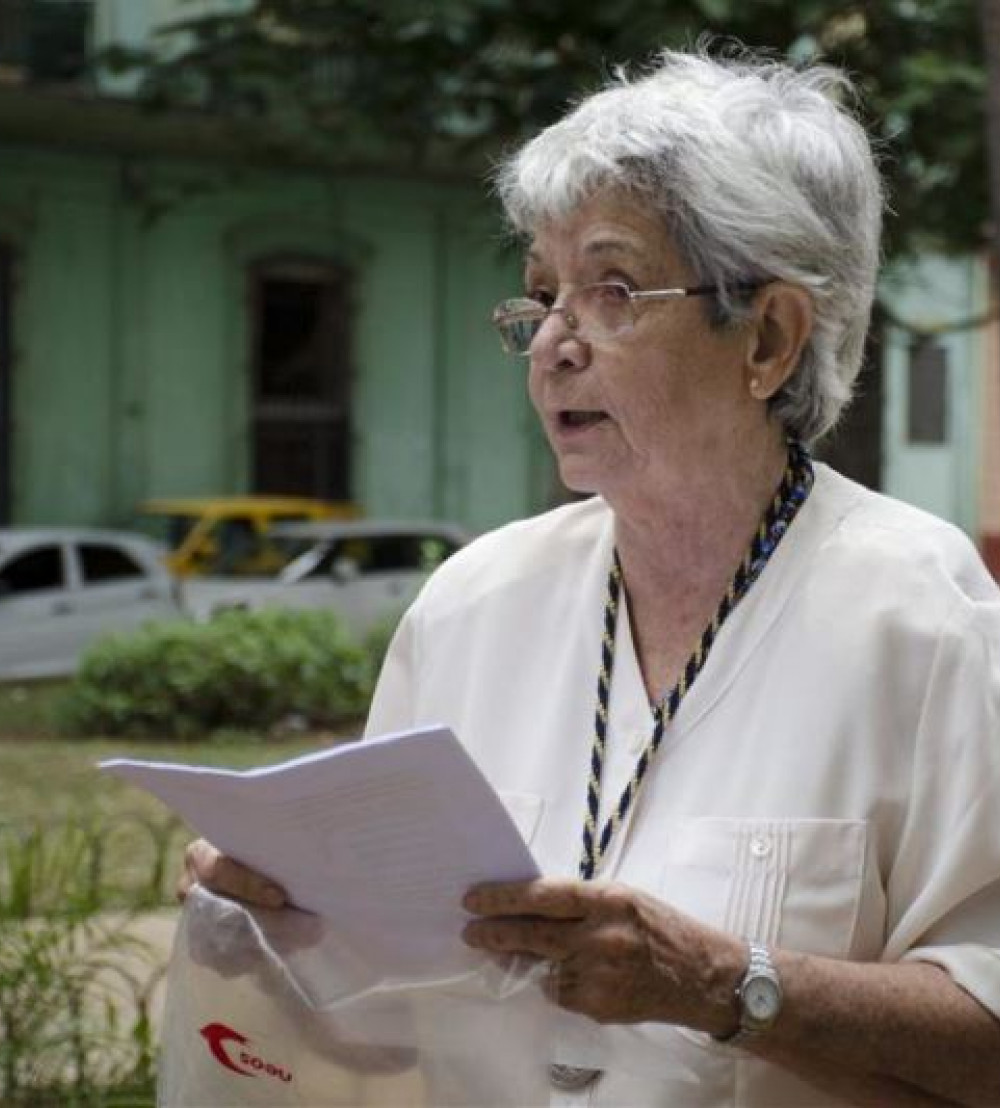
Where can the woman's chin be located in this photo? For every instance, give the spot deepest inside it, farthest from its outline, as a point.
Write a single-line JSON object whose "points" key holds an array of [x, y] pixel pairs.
{"points": [[581, 480]]}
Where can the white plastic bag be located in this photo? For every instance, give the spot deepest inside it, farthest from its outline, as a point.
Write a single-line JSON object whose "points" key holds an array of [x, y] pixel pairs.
{"points": [[243, 1025]]}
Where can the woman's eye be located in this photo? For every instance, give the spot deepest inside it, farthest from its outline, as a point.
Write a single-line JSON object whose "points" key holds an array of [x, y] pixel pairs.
{"points": [[620, 279]]}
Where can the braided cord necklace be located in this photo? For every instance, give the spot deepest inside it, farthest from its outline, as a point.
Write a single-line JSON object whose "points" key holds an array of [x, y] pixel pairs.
{"points": [[789, 497]]}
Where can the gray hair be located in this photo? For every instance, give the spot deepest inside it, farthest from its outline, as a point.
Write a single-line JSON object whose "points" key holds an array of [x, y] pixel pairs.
{"points": [[759, 171]]}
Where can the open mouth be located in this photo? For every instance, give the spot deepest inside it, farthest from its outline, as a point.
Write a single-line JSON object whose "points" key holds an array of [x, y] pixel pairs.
{"points": [[573, 420]]}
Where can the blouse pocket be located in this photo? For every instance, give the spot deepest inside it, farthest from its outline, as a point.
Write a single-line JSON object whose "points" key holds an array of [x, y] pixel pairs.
{"points": [[525, 809], [794, 883]]}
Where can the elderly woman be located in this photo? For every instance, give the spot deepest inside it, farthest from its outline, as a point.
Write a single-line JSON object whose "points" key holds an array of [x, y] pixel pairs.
{"points": [[745, 711]]}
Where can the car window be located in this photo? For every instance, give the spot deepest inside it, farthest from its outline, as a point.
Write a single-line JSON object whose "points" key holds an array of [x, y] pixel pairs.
{"points": [[323, 558], [172, 529], [31, 572], [101, 562], [433, 549], [413, 553], [301, 564], [406, 552], [393, 553], [238, 544]]}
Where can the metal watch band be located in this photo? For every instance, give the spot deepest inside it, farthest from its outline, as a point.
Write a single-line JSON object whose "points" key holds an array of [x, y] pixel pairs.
{"points": [[759, 965], [760, 960]]}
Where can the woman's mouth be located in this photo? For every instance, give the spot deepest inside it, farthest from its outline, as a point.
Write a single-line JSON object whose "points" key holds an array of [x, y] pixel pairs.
{"points": [[574, 419]]}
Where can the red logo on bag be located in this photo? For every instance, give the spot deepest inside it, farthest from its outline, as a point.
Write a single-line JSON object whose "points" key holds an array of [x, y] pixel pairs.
{"points": [[218, 1034]]}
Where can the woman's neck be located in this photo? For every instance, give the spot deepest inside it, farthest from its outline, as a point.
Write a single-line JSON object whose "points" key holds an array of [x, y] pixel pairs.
{"points": [[695, 522], [680, 548]]}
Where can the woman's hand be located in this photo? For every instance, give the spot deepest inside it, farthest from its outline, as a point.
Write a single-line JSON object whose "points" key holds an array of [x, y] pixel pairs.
{"points": [[206, 866], [617, 954]]}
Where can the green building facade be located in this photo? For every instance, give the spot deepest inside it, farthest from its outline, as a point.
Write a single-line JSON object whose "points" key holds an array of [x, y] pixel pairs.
{"points": [[177, 326]]}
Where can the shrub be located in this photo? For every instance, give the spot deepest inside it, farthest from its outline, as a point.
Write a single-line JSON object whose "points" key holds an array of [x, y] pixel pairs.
{"points": [[241, 670], [378, 640]]}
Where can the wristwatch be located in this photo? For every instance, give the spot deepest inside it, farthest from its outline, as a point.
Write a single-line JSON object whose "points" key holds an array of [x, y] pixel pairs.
{"points": [[758, 996]]}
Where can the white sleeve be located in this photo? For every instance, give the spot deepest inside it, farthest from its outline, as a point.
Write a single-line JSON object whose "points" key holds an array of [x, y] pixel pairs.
{"points": [[944, 887], [966, 951]]}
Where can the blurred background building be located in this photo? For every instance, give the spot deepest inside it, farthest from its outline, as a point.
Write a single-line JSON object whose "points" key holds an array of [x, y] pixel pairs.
{"points": [[178, 316], [188, 308]]}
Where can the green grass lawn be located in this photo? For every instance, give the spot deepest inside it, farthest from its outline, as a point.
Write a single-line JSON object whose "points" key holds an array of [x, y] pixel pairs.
{"points": [[53, 785], [30, 708], [50, 781], [43, 772], [57, 778]]}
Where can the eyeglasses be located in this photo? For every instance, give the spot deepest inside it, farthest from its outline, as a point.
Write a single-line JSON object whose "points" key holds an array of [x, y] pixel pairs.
{"points": [[597, 311]]}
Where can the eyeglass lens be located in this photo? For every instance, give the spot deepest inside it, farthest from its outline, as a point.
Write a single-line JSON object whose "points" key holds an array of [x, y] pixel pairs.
{"points": [[595, 311]]}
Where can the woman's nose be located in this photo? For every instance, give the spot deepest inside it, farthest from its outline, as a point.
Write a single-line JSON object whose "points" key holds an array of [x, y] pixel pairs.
{"points": [[557, 343]]}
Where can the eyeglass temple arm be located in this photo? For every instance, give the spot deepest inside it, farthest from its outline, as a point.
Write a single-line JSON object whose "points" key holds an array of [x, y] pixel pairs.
{"points": [[697, 290], [671, 294]]}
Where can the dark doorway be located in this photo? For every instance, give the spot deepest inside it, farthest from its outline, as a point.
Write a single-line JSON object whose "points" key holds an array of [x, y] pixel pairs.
{"points": [[927, 392], [6, 387], [301, 378], [46, 41], [854, 447]]}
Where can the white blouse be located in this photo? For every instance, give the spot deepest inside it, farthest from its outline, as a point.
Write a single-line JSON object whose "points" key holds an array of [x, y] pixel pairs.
{"points": [[830, 784]]}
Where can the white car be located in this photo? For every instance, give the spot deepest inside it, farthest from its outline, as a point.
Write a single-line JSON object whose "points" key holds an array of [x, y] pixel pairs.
{"points": [[367, 571], [61, 588]]}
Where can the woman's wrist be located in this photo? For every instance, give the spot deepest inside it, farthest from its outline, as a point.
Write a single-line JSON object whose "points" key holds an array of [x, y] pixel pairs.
{"points": [[721, 1011], [704, 997]]}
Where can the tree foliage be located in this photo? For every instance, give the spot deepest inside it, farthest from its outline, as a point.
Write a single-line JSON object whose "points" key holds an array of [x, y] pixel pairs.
{"points": [[432, 83], [989, 15]]}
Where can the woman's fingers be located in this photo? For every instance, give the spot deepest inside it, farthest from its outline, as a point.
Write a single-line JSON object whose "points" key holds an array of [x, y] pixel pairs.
{"points": [[553, 898], [550, 939], [204, 865], [616, 954]]}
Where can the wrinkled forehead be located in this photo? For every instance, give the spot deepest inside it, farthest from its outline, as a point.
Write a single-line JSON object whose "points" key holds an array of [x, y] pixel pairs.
{"points": [[606, 226]]}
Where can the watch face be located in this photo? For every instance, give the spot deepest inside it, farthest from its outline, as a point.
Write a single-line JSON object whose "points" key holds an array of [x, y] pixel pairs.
{"points": [[761, 999]]}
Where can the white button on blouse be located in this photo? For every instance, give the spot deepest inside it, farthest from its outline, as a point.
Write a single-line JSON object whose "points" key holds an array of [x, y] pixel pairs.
{"points": [[760, 847]]}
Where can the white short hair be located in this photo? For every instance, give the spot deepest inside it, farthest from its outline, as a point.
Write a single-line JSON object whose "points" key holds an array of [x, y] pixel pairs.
{"points": [[759, 170]]}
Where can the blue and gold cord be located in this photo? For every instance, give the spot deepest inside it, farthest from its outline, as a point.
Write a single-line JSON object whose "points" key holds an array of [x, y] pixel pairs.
{"points": [[791, 494]]}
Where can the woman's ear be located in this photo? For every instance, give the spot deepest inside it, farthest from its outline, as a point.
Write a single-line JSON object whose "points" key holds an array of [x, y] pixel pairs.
{"points": [[779, 330]]}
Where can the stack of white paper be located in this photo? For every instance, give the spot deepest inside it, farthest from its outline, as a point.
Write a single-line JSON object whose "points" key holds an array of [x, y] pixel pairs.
{"points": [[382, 836]]}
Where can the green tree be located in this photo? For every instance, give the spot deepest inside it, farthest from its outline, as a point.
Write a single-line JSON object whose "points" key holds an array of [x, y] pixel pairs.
{"points": [[450, 83], [989, 13]]}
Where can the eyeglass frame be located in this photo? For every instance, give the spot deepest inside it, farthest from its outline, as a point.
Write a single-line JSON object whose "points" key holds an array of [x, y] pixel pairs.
{"points": [[572, 322]]}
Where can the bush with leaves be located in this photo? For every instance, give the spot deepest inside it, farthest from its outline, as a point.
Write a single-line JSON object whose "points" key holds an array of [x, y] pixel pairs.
{"points": [[241, 670], [378, 640]]}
